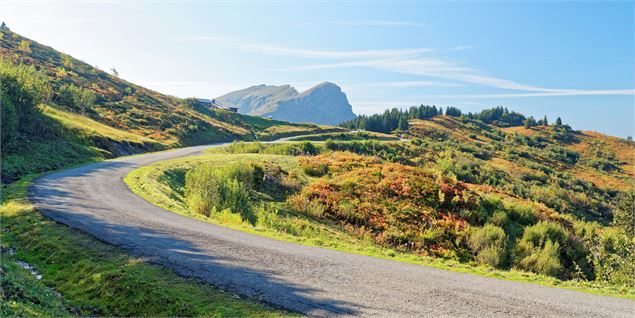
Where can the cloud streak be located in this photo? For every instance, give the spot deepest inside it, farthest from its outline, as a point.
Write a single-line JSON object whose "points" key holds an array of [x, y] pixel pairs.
{"points": [[420, 62], [327, 54], [437, 67], [379, 23]]}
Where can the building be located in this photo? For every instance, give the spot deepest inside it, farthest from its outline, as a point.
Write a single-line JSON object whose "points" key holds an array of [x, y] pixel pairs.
{"points": [[213, 104]]}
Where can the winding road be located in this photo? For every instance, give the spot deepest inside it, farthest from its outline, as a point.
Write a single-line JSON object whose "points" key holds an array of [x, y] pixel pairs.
{"points": [[310, 280]]}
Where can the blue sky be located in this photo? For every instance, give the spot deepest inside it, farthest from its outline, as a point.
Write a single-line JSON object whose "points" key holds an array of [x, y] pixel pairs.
{"points": [[567, 59]]}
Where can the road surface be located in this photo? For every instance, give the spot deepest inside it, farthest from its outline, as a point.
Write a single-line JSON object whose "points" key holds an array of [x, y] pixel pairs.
{"points": [[310, 280]]}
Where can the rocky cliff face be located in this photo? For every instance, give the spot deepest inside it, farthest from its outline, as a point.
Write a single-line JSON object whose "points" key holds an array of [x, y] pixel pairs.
{"points": [[322, 104]]}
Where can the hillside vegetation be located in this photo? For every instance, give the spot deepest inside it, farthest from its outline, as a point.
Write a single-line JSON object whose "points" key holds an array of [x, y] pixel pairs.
{"points": [[537, 198], [58, 111]]}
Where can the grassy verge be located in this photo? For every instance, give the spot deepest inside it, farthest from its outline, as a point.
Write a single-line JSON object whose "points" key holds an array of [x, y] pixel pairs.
{"points": [[346, 136], [24, 295], [94, 278], [156, 184], [283, 131]]}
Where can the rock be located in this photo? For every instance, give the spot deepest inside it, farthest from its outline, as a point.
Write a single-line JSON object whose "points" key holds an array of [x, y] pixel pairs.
{"points": [[324, 103]]}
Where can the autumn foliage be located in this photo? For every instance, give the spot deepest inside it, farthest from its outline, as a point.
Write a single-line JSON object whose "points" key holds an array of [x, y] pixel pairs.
{"points": [[394, 204]]}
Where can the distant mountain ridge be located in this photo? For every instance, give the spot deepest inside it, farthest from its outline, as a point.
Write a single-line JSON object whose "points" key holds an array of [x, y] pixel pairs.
{"points": [[324, 103]]}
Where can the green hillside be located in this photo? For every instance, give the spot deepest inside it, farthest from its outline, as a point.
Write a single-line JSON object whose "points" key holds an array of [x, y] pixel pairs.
{"points": [[58, 111], [538, 202]]}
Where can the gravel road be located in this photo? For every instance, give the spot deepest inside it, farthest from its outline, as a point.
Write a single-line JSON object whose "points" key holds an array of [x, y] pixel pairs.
{"points": [[310, 280]]}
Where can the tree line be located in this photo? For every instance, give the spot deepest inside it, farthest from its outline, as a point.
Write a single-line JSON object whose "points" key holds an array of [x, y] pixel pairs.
{"points": [[397, 119], [392, 119]]}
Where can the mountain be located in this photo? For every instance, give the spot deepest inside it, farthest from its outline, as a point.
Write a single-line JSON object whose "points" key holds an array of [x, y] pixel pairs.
{"points": [[58, 110], [324, 103]]}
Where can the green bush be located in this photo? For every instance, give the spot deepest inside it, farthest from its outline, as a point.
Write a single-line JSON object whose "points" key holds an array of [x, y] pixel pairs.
{"points": [[209, 188], [544, 231], [316, 170], [22, 88], [488, 243], [538, 250], [75, 98], [613, 256], [624, 215], [543, 260], [288, 149]]}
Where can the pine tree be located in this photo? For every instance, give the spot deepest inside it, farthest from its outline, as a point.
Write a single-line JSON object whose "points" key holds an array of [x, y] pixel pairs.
{"points": [[558, 121], [403, 123], [545, 122], [453, 111]]}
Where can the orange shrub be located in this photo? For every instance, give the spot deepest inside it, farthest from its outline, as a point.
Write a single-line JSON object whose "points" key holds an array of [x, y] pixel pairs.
{"points": [[397, 205]]}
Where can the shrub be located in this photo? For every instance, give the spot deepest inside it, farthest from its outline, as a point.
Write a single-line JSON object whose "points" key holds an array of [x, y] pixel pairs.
{"points": [[316, 169], [612, 256], [227, 217], [544, 231], [267, 216], [245, 147], [22, 88], [309, 149], [209, 189], [543, 260], [624, 215], [488, 243], [538, 250], [307, 206], [75, 98]]}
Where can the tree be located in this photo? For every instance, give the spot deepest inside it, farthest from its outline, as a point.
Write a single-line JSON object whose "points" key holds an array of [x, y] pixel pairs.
{"points": [[114, 72], [527, 124], [545, 122], [76, 98], [624, 215], [453, 111], [4, 26], [22, 88], [499, 116], [629, 138], [403, 123], [558, 121]]}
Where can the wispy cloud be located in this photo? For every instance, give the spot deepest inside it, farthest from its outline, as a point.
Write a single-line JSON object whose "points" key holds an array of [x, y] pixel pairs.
{"points": [[231, 42], [379, 23], [437, 67], [327, 54], [403, 84], [426, 63], [562, 92], [67, 21], [366, 23]]}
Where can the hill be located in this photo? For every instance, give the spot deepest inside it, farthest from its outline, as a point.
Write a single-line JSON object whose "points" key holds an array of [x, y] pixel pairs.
{"points": [[324, 103], [57, 110], [538, 202]]}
